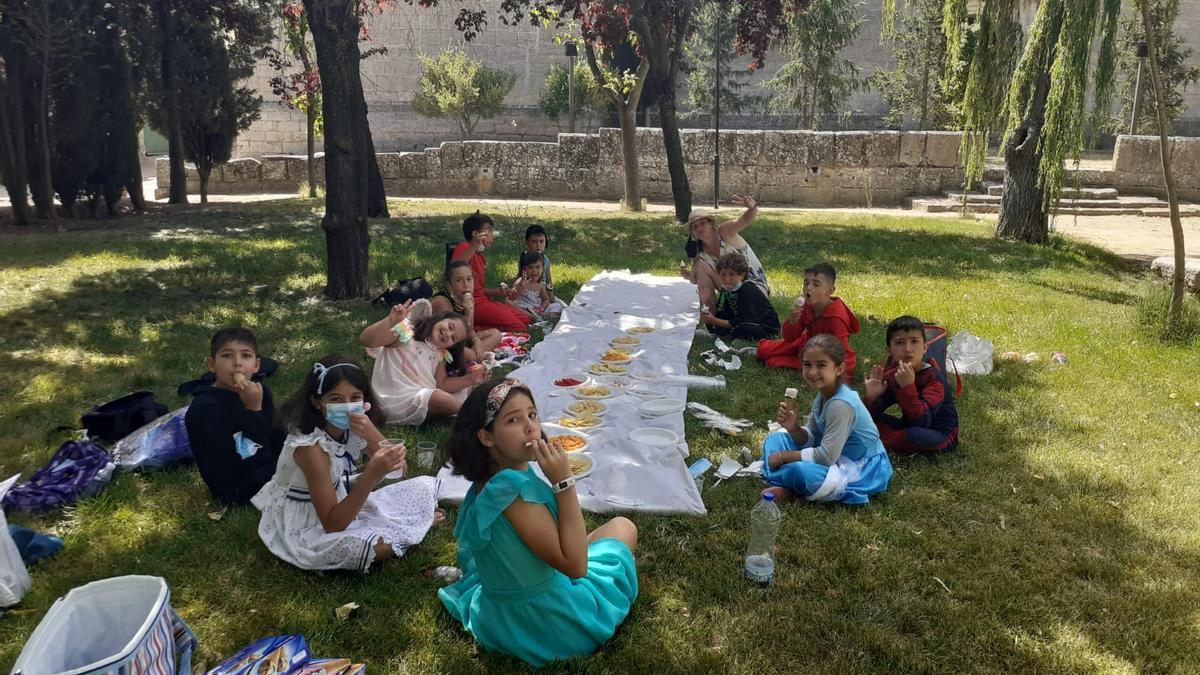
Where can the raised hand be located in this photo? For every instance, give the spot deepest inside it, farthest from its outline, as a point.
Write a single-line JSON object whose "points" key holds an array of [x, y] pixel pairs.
{"points": [[364, 428], [552, 460], [785, 416], [399, 313], [468, 302], [745, 201], [874, 384], [905, 375], [250, 392]]}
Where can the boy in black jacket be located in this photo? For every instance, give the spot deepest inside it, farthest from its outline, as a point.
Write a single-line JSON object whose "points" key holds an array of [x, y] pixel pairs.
{"points": [[742, 310], [230, 423]]}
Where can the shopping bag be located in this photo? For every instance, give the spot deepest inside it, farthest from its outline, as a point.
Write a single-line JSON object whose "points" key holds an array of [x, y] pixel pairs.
{"points": [[14, 578]]}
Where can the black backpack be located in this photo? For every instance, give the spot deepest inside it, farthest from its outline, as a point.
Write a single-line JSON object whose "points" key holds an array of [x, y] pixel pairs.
{"points": [[409, 289], [117, 419]]}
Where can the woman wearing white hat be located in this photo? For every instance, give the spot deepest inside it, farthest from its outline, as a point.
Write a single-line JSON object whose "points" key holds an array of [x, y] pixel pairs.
{"points": [[713, 240]]}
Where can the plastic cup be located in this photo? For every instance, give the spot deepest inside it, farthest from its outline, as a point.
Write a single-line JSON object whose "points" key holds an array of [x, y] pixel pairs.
{"points": [[388, 442], [426, 450]]}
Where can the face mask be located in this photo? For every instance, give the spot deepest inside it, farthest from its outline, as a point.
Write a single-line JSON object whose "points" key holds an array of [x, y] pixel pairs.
{"points": [[735, 288], [246, 448], [338, 414]]}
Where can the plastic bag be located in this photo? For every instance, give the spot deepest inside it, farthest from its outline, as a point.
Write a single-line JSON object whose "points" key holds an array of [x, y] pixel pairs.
{"points": [[155, 445], [969, 355], [14, 578], [715, 420]]}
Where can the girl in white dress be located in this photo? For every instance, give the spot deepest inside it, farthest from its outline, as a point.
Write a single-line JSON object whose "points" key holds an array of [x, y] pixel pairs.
{"points": [[421, 362], [532, 294], [315, 514]]}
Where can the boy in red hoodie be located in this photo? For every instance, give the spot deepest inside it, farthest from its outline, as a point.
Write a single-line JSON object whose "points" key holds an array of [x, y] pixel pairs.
{"points": [[816, 312]]}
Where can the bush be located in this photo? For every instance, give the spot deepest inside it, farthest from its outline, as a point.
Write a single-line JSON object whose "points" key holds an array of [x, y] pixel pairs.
{"points": [[590, 99], [462, 87]]}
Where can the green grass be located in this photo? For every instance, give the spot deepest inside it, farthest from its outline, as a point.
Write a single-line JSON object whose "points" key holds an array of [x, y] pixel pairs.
{"points": [[1066, 530]]}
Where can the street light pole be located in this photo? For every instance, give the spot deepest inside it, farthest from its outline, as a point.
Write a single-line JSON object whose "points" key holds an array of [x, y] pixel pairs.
{"points": [[572, 51], [717, 114], [1142, 52]]}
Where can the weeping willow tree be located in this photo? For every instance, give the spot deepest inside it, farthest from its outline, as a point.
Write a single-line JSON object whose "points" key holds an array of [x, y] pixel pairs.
{"points": [[1036, 95]]}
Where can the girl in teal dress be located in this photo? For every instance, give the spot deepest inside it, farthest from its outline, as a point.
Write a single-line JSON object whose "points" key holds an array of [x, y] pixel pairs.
{"points": [[535, 584]]}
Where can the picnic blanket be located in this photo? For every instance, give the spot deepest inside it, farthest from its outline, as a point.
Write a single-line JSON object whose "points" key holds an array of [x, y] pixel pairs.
{"points": [[628, 476]]}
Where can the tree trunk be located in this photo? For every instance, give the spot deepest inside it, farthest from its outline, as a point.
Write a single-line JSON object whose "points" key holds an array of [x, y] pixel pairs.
{"points": [[376, 197], [1023, 207], [681, 189], [204, 173], [166, 24], [12, 146], [1175, 311], [311, 115], [44, 199], [632, 201], [349, 152]]}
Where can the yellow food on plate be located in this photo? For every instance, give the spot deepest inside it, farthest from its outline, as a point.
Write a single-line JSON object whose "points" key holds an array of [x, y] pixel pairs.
{"points": [[608, 369], [593, 391], [587, 408], [640, 330], [567, 442], [579, 464], [581, 422], [625, 340]]}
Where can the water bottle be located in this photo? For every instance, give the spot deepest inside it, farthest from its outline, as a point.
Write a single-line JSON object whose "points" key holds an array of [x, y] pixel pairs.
{"points": [[760, 552]]}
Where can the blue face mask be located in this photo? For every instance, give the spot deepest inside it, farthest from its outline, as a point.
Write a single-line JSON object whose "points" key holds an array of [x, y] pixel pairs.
{"points": [[338, 414], [736, 288]]}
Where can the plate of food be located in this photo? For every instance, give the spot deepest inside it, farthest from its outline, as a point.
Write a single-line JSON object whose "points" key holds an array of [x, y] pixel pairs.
{"points": [[580, 421], [625, 341], [581, 464], [569, 442], [592, 392], [584, 407], [607, 369], [616, 381], [617, 355], [572, 380], [639, 330]]}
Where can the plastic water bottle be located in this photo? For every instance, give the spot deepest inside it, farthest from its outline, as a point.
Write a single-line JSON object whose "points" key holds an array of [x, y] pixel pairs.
{"points": [[760, 552]]}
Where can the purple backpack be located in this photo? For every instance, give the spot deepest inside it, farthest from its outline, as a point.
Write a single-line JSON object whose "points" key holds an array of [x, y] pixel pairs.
{"points": [[78, 469]]}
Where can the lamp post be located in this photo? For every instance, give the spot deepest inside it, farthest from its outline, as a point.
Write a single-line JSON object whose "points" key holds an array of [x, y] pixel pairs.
{"points": [[717, 113], [572, 52], [1142, 52]]}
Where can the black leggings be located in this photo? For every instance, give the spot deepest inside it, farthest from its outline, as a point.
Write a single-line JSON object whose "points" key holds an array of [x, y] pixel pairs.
{"points": [[745, 331]]}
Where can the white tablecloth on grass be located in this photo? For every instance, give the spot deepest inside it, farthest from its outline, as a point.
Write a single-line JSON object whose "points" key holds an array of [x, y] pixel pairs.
{"points": [[628, 476]]}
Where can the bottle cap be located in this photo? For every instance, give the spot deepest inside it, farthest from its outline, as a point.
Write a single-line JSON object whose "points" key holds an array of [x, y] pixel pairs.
{"points": [[768, 496]]}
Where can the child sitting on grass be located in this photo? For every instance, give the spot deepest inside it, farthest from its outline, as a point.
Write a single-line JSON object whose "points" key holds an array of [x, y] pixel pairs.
{"points": [[928, 422], [743, 311], [817, 312], [312, 515], [537, 585], [837, 455], [230, 425], [458, 297], [536, 241], [413, 367], [533, 295]]}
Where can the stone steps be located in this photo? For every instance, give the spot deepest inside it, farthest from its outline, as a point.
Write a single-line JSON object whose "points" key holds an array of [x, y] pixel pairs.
{"points": [[995, 189], [1097, 205]]}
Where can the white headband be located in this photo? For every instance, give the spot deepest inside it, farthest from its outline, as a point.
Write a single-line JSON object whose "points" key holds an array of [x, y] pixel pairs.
{"points": [[320, 370]]}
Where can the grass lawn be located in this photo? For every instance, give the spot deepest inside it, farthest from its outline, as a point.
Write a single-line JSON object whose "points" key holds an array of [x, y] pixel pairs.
{"points": [[1063, 536]]}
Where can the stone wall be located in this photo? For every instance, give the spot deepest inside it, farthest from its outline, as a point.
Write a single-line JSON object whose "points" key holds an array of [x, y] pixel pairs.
{"points": [[1137, 166], [848, 168]]}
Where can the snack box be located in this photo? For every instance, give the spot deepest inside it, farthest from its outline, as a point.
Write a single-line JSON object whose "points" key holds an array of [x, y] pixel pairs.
{"points": [[268, 656], [331, 667]]}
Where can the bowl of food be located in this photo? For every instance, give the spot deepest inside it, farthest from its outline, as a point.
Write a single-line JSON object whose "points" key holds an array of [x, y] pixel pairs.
{"points": [[569, 442], [639, 330], [591, 392], [580, 421], [607, 369], [583, 407], [625, 341], [617, 355], [581, 464], [572, 380]]}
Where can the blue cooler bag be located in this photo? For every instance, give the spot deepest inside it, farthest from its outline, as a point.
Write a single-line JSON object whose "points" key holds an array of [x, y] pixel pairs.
{"points": [[119, 626]]}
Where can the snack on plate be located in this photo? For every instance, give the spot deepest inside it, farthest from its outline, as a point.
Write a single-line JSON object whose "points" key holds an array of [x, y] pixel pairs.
{"points": [[608, 369], [567, 442], [587, 408], [568, 382], [580, 422], [625, 340], [619, 381], [617, 355], [595, 391], [640, 330], [579, 464]]}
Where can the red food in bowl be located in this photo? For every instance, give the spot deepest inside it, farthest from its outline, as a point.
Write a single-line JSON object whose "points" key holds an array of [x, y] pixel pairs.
{"points": [[567, 382]]}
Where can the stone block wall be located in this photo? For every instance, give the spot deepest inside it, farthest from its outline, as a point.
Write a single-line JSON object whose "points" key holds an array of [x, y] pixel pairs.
{"points": [[1137, 166], [817, 168]]}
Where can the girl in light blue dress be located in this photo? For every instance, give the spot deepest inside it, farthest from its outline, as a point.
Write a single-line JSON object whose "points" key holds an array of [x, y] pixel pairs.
{"points": [[837, 456], [535, 584]]}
